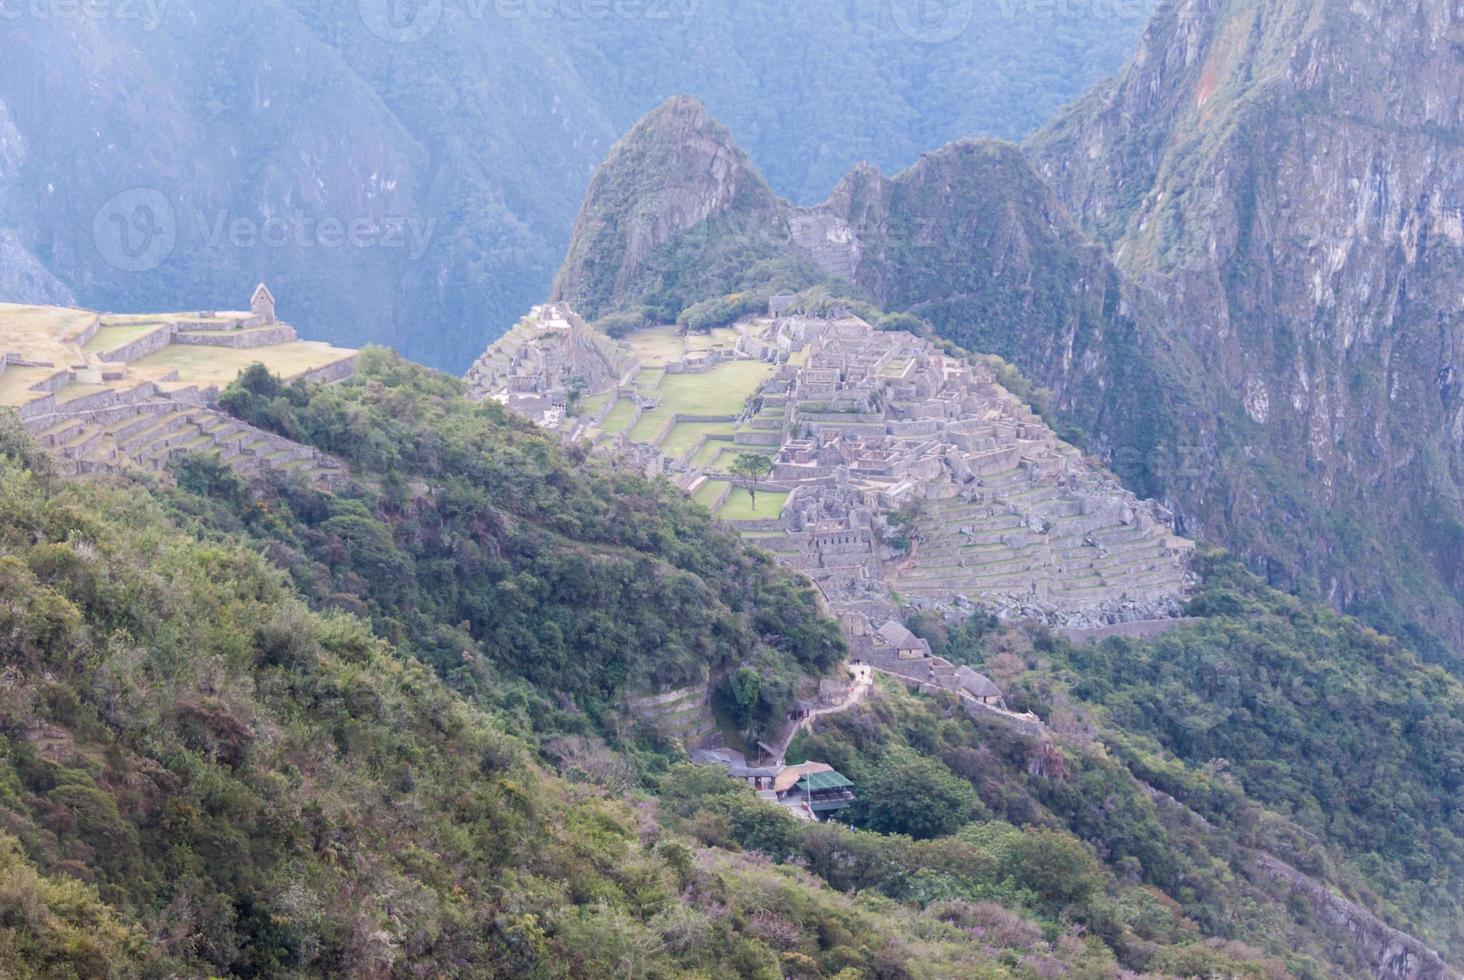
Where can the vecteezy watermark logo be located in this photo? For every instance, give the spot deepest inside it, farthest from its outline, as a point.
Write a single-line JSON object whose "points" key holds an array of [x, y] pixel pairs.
{"points": [[407, 21], [401, 21], [136, 230], [149, 13], [139, 229], [299, 231], [932, 21]]}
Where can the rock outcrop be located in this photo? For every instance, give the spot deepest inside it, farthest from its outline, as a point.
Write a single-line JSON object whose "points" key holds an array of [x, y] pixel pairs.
{"points": [[1286, 177], [676, 170]]}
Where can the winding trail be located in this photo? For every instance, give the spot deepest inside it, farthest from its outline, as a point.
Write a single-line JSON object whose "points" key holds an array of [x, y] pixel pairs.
{"points": [[863, 681]]}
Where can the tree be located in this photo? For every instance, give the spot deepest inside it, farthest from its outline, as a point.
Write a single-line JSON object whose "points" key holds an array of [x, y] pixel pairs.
{"points": [[746, 689], [574, 393], [749, 468], [915, 795], [1058, 867]]}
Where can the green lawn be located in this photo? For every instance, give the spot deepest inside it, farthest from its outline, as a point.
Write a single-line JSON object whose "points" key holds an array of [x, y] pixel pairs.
{"points": [[649, 379], [590, 405], [110, 338], [657, 346], [619, 417], [649, 426], [708, 492], [77, 390], [39, 332], [220, 365], [739, 505], [16, 383], [708, 453], [721, 337], [679, 442], [723, 390]]}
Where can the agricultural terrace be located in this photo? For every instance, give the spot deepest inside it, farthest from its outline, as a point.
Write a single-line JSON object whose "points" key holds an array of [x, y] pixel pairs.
{"points": [[221, 365], [655, 347], [684, 437], [619, 417], [723, 390]]}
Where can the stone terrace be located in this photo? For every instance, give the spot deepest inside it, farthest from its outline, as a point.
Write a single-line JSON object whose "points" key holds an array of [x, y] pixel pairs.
{"points": [[107, 392]]}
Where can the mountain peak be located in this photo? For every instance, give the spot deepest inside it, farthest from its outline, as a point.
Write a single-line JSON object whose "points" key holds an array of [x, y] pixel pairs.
{"points": [[677, 168], [685, 110]]}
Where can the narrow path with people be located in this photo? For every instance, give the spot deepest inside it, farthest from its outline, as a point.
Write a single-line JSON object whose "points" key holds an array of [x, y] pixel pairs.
{"points": [[863, 681]]}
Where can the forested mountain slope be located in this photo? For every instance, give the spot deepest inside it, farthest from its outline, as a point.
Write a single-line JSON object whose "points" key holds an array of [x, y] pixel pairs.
{"points": [[199, 775], [252, 730]]}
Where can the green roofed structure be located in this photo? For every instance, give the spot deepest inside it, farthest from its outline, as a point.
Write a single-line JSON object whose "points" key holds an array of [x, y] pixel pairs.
{"points": [[825, 792]]}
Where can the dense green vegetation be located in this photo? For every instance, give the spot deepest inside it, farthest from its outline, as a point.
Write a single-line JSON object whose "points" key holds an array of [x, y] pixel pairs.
{"points": [[201, 776], [212, 764], [480, 546], [1005, 885], [1308, 734]]}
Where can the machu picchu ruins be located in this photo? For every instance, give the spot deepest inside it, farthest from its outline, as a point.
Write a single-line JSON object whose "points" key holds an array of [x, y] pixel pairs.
{"points": [[899, 473], [107, 392]]}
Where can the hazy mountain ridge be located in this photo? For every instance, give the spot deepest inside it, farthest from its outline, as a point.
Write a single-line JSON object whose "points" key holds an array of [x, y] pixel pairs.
{"points": [[482, 129]]}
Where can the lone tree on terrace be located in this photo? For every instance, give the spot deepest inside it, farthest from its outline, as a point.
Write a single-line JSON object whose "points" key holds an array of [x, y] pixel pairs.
{"points": [[748, 469]]}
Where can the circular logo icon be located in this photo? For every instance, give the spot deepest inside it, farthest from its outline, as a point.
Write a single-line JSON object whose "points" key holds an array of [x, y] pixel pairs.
{"points": [[401, 21], [136, 230], [932, 21]]}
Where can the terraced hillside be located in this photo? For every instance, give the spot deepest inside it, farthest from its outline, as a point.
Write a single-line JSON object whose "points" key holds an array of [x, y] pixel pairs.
{"points": [[894, 469], [107, 392]]}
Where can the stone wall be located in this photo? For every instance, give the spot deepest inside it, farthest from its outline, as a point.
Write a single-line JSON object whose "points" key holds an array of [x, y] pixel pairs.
{"points": [[149, 343], [239, 339], [684, 715], [87, 333], [331, 373]]}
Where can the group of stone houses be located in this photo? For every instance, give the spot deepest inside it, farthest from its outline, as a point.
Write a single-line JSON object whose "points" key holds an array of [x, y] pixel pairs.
{"points": [[1005, 515]]}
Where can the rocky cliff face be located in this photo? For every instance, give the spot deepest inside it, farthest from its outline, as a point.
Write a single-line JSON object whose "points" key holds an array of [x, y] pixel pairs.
{"points": [[1287, 176], [21, 274], [971, 240], [676, 170]]}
